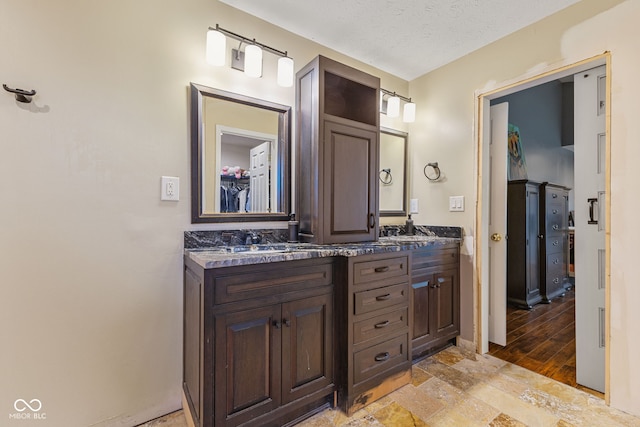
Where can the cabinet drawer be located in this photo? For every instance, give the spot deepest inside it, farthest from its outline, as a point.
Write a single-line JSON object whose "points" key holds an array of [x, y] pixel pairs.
{"points": [[554, 243], [556, 270], [269, 280], [370, 271], [378, 358], [424, 259], [381, 325], [554, 194], [379, 298]]}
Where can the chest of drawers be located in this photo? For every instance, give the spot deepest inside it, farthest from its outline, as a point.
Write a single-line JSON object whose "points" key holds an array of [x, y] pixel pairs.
{"points": [[373, 346]]}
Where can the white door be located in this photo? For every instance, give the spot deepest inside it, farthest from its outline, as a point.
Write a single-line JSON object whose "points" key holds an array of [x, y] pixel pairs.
{"points": [[259, 188], [590, 162], [498, 224]]}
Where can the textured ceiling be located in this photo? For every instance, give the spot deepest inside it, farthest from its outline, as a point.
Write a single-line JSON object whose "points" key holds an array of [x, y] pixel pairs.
{"points": [[406, 38]]}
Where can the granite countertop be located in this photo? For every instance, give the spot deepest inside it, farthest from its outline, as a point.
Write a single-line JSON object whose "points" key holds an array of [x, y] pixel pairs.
{"points": [[226, 256]]}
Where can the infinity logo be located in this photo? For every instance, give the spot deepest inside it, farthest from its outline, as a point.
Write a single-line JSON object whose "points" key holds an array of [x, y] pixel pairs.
{"points": [[21, 405]]}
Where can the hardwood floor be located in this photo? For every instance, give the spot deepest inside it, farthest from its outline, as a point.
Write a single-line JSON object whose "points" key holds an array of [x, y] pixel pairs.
{"points": [[543, 340]]}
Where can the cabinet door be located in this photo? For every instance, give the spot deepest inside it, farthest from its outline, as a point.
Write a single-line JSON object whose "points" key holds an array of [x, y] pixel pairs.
{"points": [[350, 184], [422, 325], [532, 283], [247, 364], [446, 303], [307, 342]]}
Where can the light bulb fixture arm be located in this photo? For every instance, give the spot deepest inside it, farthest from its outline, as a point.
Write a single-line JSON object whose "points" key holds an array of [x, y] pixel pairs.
{"points": [[247, 40], [388, 92]]}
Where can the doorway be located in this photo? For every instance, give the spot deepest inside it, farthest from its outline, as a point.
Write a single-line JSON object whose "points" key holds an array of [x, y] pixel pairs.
{"points": [[485, 266]]}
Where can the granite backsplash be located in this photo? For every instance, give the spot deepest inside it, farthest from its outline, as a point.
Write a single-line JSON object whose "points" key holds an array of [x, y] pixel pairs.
{"points": [[214, 238]]}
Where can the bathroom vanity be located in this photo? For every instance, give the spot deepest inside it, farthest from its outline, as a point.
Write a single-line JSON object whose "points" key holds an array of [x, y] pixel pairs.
{"points": [[274, 333]]}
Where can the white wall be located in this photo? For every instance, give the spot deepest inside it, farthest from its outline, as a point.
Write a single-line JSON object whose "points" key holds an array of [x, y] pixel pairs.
{"points": [[445, 129], [91, 259]]}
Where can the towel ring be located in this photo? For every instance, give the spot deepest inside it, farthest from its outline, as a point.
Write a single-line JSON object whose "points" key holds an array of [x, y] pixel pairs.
{"points": [[388, 179], [436, 171]]}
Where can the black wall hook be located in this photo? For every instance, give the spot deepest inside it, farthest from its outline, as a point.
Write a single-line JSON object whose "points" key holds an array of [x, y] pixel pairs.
{"points": [[21, 94]]}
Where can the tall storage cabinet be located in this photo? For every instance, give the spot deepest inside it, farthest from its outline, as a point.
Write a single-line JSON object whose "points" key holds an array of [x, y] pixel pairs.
{"points": [[537, 230], [554, 218], [523, 243], [337, 153]]}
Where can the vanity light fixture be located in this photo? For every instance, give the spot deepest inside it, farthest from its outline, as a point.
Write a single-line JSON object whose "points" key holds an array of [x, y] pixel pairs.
{"points": [[391, 106], [249, 61]]}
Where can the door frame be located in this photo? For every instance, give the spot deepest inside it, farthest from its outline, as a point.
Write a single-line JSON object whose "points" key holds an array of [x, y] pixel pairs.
{"points": [[482, 134]]}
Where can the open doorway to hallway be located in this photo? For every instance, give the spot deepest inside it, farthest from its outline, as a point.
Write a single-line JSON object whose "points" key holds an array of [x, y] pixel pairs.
{"points": [[542, 337]]}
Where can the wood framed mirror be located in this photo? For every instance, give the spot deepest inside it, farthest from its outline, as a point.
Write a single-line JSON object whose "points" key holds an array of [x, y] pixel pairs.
{"points": [[240, 157], [393, 172]]}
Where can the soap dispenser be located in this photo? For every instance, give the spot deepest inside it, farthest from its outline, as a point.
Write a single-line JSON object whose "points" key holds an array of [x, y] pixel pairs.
{"points": [[408, 227], [293, 228]]}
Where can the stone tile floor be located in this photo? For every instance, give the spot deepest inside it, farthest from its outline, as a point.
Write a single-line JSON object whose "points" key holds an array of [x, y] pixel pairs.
{"points": [[459, 388]]}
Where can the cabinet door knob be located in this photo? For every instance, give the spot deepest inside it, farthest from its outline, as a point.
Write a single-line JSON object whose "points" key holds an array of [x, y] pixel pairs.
{"points": [[287, 322], [382, 324], [382, 356], [277, 324], [496, 237]]}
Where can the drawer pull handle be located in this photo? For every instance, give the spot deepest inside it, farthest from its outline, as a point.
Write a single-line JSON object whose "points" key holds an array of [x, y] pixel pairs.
{"points": [[556, 261], [383, 297], [381, 269], [382, 324], [382, 356]]}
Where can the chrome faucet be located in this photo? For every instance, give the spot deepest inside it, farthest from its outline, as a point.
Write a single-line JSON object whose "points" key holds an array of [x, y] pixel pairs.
{"points": [[252, 238]]}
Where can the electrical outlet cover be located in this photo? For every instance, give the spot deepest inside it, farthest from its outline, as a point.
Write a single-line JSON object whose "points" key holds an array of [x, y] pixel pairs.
{"points": [[170, 188]]}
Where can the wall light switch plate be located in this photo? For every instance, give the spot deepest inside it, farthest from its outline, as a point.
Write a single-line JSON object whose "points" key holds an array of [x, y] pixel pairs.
{"points": [[456, 203], [170, 188], [413, 208]]}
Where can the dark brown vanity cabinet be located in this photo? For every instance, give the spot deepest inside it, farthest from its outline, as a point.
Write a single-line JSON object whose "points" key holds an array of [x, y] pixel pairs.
{"points": [[258, 342], [435, 284], [554, 218], [373, 342], [337, 137], [523, 243]]}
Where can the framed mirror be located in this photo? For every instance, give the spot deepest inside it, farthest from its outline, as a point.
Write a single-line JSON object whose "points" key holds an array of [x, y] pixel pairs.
{"points": [[393, 172], [240, 157]]}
